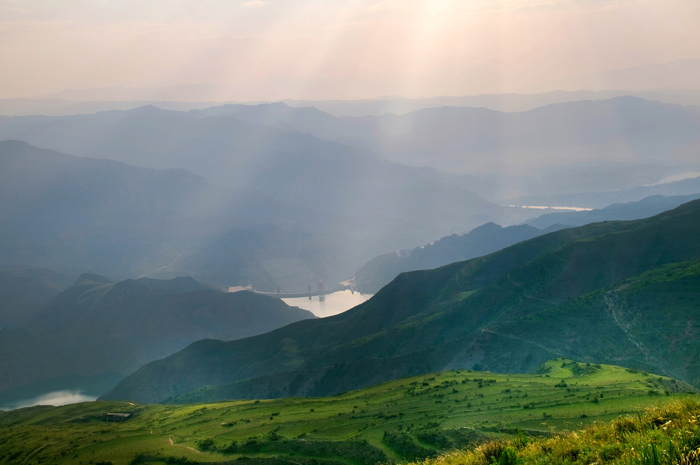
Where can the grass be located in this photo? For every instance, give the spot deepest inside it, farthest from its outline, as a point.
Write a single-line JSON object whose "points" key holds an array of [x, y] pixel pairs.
{"points": [[662, 435], [406, 419]]}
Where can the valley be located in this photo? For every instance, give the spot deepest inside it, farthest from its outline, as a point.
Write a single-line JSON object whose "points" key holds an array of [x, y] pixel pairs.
{"points": [[350, 232]]}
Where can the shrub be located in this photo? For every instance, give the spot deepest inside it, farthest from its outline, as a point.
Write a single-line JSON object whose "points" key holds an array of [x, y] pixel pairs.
{"points": [[492, 451], [206, 444], [403, 445], [508, 457]]}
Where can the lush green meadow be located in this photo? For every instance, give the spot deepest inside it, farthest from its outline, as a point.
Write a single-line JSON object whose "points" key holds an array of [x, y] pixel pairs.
{"points": [[406, 419]]}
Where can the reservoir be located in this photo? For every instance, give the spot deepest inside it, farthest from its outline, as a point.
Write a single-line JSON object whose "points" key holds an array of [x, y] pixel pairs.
{"points": [[56, 398], [335, 303]]}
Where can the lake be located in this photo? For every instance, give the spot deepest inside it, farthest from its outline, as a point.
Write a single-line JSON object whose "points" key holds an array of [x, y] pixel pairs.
{"points": [[335, 303], [56, 398]]}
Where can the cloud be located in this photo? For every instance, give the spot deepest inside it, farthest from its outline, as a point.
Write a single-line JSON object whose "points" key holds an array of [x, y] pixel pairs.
{"points": [[253, 4]]}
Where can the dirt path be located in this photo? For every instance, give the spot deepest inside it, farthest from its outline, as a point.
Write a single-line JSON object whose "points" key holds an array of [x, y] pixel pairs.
{"points": [[35, 451], [528, 295], [489, 331], [618, 317], [170, 438]]}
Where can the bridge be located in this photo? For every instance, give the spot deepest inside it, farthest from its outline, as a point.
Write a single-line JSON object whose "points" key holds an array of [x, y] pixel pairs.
{"points": [[292, 295], [321, 292]]}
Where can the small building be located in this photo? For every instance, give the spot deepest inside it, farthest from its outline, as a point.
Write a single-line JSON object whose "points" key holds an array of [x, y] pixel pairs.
{"points": [[117, 416]]}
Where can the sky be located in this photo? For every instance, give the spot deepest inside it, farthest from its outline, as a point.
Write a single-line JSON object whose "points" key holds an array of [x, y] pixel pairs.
{"points": [[335, 49]]}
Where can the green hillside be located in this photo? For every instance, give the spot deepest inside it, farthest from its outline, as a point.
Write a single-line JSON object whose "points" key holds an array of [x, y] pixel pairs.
{"points": [[404, 419], [470, 315], [483, 240], [647, 321]]}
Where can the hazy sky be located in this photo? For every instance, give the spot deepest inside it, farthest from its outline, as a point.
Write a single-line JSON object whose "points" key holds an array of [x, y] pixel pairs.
{"points": [[272, 49]]}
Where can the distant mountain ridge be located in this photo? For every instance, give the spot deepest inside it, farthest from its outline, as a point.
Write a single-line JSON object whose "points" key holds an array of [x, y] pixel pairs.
{"points": [[490, 237], [483, 240], [22, 297], [624, 130], [564, 147], [648, 206], [52, 106], [98, 326], [603, 199], [468, 315], [124, 220], [70, 213]]}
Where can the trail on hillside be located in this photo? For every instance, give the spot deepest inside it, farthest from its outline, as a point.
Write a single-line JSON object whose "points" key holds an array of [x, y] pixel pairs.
{"points": [[35, 452], [170, 438], [618, 317], [528, 295], [490, 331]]}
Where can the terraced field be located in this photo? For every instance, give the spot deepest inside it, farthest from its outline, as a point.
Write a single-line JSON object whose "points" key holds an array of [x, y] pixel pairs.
{"points": [[405, 419]]}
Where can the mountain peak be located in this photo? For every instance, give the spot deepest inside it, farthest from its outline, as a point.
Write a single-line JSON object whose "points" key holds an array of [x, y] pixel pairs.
{"points": [[91, 278], [147, 110]]}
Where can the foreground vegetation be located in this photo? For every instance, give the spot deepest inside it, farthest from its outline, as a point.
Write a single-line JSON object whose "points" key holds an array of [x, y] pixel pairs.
{"points": [[408, 419], [667, 434]]}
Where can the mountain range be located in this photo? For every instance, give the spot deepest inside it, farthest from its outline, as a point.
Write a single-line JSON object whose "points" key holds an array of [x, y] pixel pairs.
{"points": [[94, 100], [491, 237], [84, 214], [485, 239], [76, 214], [24, 292], [613, 291], [599, 200], [560, 148]]}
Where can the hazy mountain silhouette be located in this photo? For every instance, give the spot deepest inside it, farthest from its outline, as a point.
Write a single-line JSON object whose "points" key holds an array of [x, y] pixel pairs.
{"points": [[116, 99], [602, 199], [490, 237], [23, 292], [318, 193], [483, 240], [98, 326], [497, 102], [583, 146], [70, 213], [619, 211]]}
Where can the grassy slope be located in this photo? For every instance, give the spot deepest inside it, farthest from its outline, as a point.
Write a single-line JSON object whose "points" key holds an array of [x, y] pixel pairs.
{"points": [[402, 419], [648, 322], [664, 435]]}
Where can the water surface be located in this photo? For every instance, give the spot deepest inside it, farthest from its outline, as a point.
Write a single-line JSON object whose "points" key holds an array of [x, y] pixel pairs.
{"points": [[335, 303], [56, 398]]}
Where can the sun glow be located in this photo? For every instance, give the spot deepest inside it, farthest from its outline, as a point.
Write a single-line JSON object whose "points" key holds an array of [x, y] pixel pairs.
{"points": [[255, 50]]}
